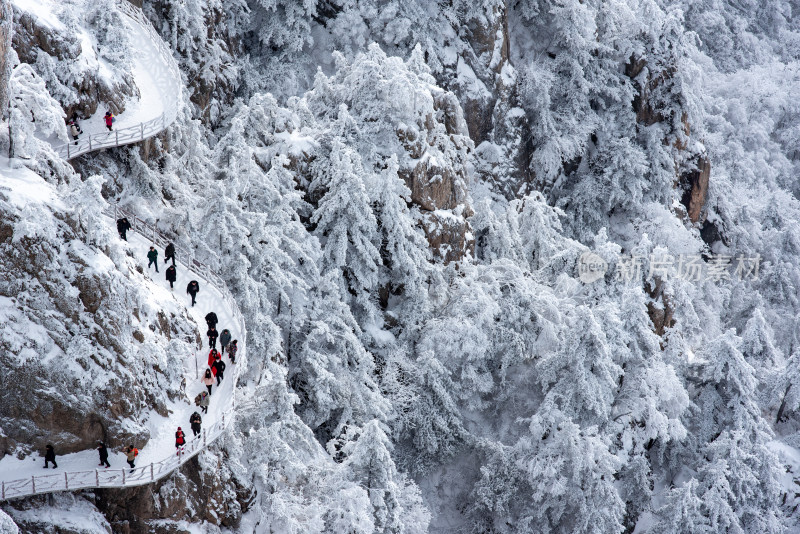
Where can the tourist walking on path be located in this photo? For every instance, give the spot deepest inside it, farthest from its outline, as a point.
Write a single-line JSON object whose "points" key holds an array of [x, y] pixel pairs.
{"points": [[122, 227], [208, 380], [103, 450], [171, 276], [212, 357], [219, 365], [153, 257], [205, 399], [49, 456], [212, 337], [109, 119], [169, 253], [192, 289], [224, 339], [180, 440], [232, 348], [74, 130], [131, 453], [195, 421], [211, 319]]}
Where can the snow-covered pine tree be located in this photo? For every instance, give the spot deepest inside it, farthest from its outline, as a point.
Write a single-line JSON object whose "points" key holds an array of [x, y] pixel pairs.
{"points": [[347, 227]]}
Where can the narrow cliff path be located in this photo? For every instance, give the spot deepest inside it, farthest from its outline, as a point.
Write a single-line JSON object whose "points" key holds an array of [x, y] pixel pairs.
{"points": [[157, 458], [158, 80]]}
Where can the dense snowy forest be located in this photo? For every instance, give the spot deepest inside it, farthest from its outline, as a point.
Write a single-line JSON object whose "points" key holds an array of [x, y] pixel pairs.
{"points": [[523, 266]]}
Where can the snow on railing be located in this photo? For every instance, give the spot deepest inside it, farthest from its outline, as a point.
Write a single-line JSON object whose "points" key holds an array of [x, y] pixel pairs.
{"points": [[123, 478], [117, 478], [134, 134]]}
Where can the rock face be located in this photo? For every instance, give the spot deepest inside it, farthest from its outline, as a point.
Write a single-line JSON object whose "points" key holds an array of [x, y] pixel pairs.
{"points": [[5, 52], [439, 188], [38, 44], [694, 181], [71, 371], [695, 188], [202, 490]]}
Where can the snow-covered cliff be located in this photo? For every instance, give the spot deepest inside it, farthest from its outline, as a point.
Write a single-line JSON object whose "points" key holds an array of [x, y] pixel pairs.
{"points": [[505, 266]]}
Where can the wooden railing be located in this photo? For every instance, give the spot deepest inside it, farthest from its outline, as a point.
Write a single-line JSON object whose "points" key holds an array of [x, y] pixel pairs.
{"points": [[121, 478], [139, 132]]}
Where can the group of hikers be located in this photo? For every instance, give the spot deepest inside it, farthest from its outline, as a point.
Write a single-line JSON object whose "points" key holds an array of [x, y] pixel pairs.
{"points": [[171, 274], [216, 366], [75, 130], [214, 372]]}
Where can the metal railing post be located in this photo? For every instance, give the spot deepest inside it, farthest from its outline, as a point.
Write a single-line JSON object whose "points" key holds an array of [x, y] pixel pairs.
{"points": [[123, 475], [141, 125], [67, 150], [33, 483], [96, 478], [90, 142], [151, 472], [116, 134], [66, 481]]}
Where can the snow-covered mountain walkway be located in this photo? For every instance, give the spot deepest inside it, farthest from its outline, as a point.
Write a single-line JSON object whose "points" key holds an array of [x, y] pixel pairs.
{"points": [[159, 82], [157, 458]]}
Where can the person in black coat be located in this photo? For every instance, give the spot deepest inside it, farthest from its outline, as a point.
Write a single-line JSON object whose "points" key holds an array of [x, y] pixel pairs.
{"points": [[211, 319], [195, 421], [192, 289], [122, 227], [212, 337], [169, 253], [49, 456], [171, 275], [219, 365], [103, 450]]}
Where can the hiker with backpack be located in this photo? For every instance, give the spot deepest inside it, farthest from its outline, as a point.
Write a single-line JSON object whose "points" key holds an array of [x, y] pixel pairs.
{"points": [[211, 319], [153, 257], [49, 456], [224, 339], [122, 227], [171, 276], [180, 440], [103, 450], [232, 348], [203, 400], [131, 453], [109, 120], [195, 421], [192, 289], [208, 380], [74, 130], [169, 253]]}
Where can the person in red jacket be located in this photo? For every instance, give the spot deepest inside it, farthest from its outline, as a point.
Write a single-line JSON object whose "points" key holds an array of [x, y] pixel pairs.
{"points": [[109, 118], [212, 355], [180, 440]]}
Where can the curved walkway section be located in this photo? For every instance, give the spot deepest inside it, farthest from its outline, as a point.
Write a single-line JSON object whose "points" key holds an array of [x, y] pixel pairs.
{"points": [[118, 477], [157, 70]]}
